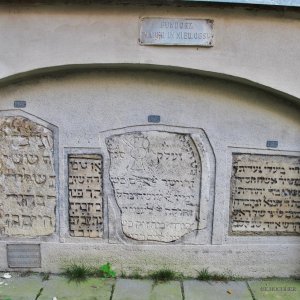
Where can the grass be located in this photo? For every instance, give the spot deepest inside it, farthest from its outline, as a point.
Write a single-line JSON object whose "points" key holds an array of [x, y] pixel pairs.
{"points": [[134, 275], [204, 274], [26, 273], [45, 276], [81, 272], [77, 272], [164, 275]]}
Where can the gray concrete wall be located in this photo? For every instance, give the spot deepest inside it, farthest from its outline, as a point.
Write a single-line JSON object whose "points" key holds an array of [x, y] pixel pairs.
{"points": [[259, 46], [235, 118], [108, 85]]}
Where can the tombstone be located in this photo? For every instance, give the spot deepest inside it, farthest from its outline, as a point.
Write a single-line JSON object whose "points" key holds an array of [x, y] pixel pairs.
{"points": [[265, 195], [27, 178], [160, 181], [85, 195]]}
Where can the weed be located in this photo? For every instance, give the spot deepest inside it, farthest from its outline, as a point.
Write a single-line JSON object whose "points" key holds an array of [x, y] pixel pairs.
{"points": [[106, 271], [45, 276], [135, 275], [77, 272], [163, 275], [26, 273], [204, 274], [123, 275]]}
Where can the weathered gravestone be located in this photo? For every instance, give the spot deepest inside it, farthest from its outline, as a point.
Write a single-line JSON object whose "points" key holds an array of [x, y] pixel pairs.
{"points": [[265, 195], [156, 179], [85, 195], [27, 178]]}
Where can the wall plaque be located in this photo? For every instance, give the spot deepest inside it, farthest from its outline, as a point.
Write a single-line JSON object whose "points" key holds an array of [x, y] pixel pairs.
{"points": [[19, 103], [156, 181], [24, 255], [181, 32], [27, 178], [85, 195], [265, 194]]}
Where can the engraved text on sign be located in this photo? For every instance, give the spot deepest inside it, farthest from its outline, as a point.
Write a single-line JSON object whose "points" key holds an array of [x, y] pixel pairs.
{"points": [[265, 194], [156, 181], [85, 195], [27, 178], [181, 32]]}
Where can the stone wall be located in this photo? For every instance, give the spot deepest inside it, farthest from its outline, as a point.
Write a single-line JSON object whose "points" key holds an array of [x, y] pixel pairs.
{"points": [[147, 167], [98, 179]]}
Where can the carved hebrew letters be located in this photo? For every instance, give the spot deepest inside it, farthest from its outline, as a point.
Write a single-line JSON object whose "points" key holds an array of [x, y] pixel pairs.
{"points": [[85, 195], [265, 194], [27, 178], [156, 181]]}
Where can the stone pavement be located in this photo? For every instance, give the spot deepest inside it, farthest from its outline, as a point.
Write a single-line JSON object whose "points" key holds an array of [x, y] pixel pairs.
{"points": [[57, 288]]}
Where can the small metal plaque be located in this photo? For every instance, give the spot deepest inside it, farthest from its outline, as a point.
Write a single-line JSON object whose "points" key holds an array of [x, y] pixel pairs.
{"points": [[19, 103], [24, 255], [181, 32], [153, 119], [272, 144]]}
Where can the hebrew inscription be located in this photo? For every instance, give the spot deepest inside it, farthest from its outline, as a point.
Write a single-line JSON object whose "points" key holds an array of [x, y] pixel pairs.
{"points": [[85, 195], [265, 194], [27, 178], [156, 181]]}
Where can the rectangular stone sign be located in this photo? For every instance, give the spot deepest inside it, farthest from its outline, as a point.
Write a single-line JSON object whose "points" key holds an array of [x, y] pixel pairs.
{"points": [[85, 195], [265, 195], [27, 178], [156, 179], [181, 32], [24, 255]]}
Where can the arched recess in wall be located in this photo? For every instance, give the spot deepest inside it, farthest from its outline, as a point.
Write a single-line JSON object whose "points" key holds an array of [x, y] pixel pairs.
{"points": [[65, 69], [230, 114]]}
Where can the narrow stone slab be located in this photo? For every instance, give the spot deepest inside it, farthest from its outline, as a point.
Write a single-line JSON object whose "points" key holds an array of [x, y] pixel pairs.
{"points": [[127, 289], [167, 291], [24, 288], [92, 288], [21, 288], [216, 290], [279, 289]]}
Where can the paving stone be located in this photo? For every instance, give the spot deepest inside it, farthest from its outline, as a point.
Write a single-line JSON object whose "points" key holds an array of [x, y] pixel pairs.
{"points": [[166, 291], [25, 288], [127, 289], [216, 290], [275, 289], [20, 288], [90, 289]]}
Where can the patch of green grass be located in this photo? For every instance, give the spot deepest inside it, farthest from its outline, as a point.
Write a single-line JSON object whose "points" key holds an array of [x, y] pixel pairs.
{"points": [[163, 275], [204, 274], [135, 275], [77, 272], [80, 272]]}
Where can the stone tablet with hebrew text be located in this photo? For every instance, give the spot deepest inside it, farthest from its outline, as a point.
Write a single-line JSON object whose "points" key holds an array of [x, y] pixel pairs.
{"points": [[265, 195], [156, 179], [85, 195], [27, 178]]}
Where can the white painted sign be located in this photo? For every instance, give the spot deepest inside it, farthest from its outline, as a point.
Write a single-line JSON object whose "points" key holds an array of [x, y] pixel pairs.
{"points": [[180, 32]]}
